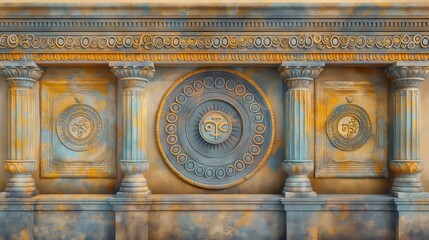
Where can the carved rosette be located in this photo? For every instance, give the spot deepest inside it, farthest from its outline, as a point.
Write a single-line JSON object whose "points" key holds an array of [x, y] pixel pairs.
{"points": [[21, 77], [406, 163], [80, 127], [298, 76], [215, 128], [348, 127], [133, 76]]}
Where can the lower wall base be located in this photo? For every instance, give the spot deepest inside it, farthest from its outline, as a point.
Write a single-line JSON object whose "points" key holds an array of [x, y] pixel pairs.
{"points": [[214, 217]]}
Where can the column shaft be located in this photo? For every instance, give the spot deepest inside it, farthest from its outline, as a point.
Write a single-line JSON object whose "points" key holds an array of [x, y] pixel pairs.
{"points": [[132, 124], [20, 119], [406, 163], [298, 76], [21, 162], [297, 124], [133, 76]]}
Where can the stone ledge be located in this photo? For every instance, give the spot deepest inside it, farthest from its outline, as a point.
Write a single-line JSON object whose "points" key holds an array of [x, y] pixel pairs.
{"points": [[216, 202]]}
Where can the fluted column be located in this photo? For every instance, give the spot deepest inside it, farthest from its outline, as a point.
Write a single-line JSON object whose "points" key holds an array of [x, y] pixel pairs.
{"points": [[297, 77], [133, 76], [21, 162], [406, 163]]}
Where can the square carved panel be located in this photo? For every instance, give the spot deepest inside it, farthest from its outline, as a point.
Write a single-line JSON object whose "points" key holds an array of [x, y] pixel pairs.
{"points": [[351, 128], [78, 129]]}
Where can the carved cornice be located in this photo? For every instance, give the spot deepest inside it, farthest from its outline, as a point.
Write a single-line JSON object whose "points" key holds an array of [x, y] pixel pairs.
{"points": [[333, 41], [133, 74], [408, 74], [287, 24], [20, 73], [259, 10], [300, 74]]}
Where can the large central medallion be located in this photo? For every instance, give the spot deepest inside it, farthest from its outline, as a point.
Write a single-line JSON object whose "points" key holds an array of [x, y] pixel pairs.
{"points": [[214, 128]]}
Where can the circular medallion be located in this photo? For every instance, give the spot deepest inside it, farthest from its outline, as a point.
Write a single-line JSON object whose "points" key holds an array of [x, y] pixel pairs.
{"points": [[79, 127], [348, 127], [215, 128]]}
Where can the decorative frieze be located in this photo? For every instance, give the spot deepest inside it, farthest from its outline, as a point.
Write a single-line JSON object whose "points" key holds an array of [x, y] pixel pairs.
{"points": [[298, 76], [205, 41], [133, 76], [406, 163], [21, 162]]}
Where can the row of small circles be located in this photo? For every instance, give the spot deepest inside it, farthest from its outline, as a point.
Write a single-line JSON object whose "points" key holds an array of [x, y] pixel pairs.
{"points": [[239, 90], [149, 42], [171, 128], [210, 172]]}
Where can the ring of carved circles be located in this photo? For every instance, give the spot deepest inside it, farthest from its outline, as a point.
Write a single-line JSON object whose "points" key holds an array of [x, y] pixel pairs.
{"points": [[215, 128], [348, 127], [79, 127]]}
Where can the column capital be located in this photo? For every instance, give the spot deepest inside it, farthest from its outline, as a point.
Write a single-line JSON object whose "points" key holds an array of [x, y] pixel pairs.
{"points": [[20, 73], [408, 74], [133, 74], [300, 74]]}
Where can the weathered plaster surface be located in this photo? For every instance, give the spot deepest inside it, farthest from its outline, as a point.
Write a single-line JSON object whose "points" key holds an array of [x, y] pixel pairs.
{"points": [[268, 180], [77, 47]]}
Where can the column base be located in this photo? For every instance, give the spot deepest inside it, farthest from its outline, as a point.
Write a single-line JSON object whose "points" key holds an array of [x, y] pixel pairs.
{"points": [[134, 187], [133, 195], [299, 194], [21, 186], [21, 183], [409, 195], [22, 194], [134, 184], [406, 184], [297, 186]]}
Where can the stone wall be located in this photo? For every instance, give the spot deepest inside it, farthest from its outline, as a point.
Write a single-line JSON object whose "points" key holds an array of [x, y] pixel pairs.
{"points": [[251, 121]]}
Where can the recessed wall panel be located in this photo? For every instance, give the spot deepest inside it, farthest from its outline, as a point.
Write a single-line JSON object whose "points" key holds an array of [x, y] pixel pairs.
{"points": [[78, 129]]}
